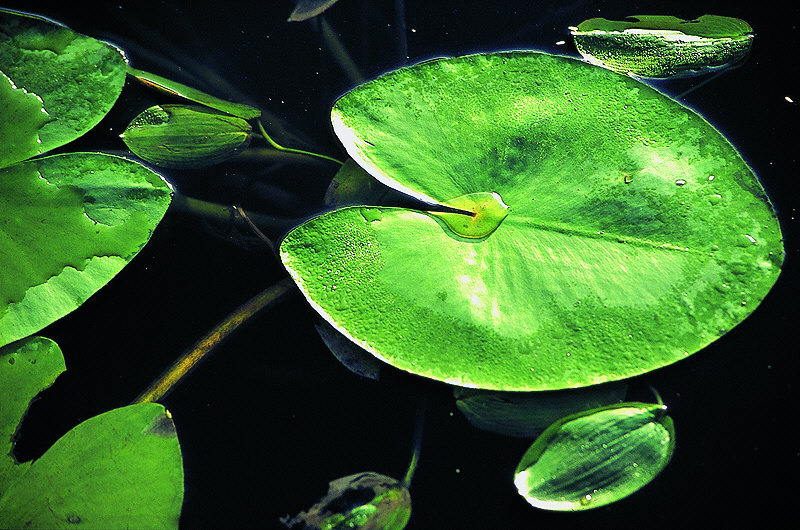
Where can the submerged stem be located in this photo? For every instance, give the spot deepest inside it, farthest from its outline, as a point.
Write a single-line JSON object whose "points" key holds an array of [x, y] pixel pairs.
{"points": [[339, 52], [419, 423], [191, 357], [279, 147]]}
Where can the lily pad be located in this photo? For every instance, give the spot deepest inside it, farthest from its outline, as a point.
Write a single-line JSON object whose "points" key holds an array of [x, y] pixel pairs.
{"points": [[121, 469], [76, 78], [68, 224], [658, 46], [596, 457], [635, 236]]}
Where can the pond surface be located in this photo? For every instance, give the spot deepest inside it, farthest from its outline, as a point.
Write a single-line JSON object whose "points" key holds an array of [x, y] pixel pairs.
{"points": [[271, 417]]}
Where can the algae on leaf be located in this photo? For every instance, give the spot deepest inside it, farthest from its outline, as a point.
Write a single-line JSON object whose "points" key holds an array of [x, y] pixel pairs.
{"points": [[657, 46], [69, 223], [635, 234], [76, 78]]}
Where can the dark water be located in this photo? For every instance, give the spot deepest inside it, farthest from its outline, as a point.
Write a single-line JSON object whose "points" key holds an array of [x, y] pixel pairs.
{"points": [[271, 417]]}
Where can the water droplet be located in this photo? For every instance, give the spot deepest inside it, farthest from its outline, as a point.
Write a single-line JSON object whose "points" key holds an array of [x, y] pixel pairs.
{"points": [[586, 499], [680, 182]]}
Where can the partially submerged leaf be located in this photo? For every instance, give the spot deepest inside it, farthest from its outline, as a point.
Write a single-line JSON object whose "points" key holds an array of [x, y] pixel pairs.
{"points": [[305, 9], [660, 46], [357, 360], [635, 235], [77, 78], [597, 457], [178, 89], [186, 136], [68, 224], [364, 501], [527, 414]]}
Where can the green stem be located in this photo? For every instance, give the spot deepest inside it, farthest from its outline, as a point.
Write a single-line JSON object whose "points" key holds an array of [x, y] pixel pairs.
{"points": [[191, 357], [279, 147], [224, 214], [339, 52], [418, 426]]}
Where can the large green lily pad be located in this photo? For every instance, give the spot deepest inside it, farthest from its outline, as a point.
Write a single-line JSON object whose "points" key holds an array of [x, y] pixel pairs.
{"points": [[635, 235], [68, 224], [121, 469], [64, 82]]}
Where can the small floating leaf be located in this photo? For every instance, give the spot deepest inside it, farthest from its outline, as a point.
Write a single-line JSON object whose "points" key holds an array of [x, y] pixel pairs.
{"points": [[121, 469], [527, 414], [186, 136], [597, 457], [68, 224], [178, 89], [305, 9], [76, 78], [364, 501], [659, 46]]}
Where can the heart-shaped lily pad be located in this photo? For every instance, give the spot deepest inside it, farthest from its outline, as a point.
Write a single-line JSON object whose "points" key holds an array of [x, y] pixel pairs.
{"points": [[635, 233]]}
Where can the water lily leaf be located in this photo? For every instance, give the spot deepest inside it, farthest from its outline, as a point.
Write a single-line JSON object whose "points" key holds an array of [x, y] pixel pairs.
{"points": [[185, 136], [68, 224], [178, 89], [305, 9], [76, 78], [26, 368], [658, 46], [528, 414], [364, 501], [635, 235], [121, 469], [597, 457]]}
